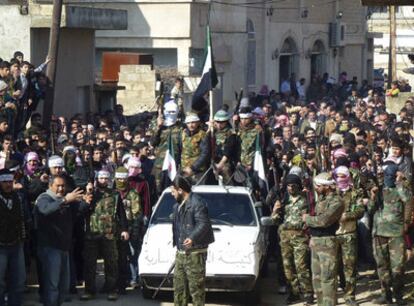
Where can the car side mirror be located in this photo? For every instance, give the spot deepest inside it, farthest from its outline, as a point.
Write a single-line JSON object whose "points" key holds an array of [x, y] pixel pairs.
{"points": [[258, 204], [266, 221]]}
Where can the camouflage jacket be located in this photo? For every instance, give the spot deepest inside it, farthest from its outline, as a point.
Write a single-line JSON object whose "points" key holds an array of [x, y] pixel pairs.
{"points": [[247, 142], [328, 211], [225, 141], [107, 216], [195, 150], [160, 142], [290, 217], [396, 212], [353, 210], [133, 211]]}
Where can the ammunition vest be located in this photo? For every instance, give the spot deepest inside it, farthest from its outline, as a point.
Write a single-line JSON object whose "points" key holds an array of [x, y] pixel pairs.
{"points": [[132, 204], [103, 219], [163, 146], [247, 145], [191, 148], [221, 137]]}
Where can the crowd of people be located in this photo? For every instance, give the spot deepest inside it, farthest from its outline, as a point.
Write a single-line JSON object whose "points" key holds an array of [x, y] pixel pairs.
{"points": [[337, 187]]}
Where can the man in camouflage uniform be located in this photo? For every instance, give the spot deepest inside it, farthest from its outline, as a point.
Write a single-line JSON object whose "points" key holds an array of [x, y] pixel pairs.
{"points": [[192, 233], [132, 205], [323, 224], [167, 129], [195, 154], [391, 222], [105, 221], [225, 145], [346, 235], [294, 241], [247, 135]]}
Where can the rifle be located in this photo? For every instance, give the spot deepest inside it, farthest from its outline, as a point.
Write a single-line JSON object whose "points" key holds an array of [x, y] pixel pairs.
{"points": [[160, 98], [239, 97], [164, 280], [52, 136]]}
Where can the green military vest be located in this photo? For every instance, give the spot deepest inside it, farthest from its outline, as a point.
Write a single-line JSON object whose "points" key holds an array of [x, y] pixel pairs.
{"points": [[191, 150], [103, 219], [221, 137], [163, 146], [132, 205], [247, 145]]}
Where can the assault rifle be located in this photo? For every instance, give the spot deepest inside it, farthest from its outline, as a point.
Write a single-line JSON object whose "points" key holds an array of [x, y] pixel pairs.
{"points": [[164, 280]]}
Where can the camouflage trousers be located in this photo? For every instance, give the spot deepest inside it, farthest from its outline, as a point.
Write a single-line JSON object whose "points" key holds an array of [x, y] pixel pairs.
{"points": [[348, 253], [189, 278], [108, 250], [324, 269], [295, 255], [389, 253]]}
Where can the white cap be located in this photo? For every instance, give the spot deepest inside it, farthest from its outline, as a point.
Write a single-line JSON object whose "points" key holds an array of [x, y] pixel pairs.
{"points": [[191, 117], [55, 161]]}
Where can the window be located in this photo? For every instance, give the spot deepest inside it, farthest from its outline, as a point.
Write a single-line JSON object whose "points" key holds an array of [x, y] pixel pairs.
{"points": [[223, 209]]}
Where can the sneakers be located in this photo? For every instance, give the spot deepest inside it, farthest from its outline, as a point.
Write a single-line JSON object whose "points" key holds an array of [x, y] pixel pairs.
{"points": [[87, 296], [112, 297]]}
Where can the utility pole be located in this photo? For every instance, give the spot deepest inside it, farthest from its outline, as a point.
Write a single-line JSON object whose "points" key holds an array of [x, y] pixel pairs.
{"points": [[392, 55], [53, 55]]}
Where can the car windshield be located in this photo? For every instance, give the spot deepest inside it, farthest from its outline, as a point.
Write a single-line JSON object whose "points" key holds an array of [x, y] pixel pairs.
{"points": [[223, 208]]}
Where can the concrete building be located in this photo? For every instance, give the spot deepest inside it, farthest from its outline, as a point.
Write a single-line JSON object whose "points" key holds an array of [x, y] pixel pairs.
{"points": [[255, 43], [25, 27], [379, 22]]}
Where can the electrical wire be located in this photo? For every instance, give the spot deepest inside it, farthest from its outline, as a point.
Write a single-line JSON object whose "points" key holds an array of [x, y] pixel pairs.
{"points": [[247, 5]]}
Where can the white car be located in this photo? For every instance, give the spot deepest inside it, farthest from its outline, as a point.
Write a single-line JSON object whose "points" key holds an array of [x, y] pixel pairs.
{"points": [[234, 260]]}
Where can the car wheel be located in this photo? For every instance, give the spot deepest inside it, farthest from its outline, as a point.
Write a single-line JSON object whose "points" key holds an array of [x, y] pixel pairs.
{"points": [[146, 292]]}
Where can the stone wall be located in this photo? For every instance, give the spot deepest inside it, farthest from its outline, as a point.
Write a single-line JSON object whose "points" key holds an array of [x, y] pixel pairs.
{"points": [[139, 93], [394, 104]]}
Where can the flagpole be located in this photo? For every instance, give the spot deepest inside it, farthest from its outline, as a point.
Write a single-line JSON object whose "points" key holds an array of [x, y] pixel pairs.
{"points": [[210, 100]]}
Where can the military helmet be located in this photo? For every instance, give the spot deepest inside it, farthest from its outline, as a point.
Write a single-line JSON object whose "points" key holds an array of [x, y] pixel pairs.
{"points": [[221, 116]]}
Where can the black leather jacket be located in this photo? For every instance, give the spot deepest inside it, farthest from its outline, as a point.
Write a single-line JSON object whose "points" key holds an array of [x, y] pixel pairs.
{"points": [[192, 221]]}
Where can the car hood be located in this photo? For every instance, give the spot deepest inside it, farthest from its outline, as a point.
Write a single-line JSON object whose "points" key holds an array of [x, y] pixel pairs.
{"points": [[235, 250]]}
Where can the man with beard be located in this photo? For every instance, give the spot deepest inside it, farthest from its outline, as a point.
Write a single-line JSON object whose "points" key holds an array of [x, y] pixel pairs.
{"points": [[225, 145], [192, 233], [195, 152], [246, 140], [323, 224], [105, 222], [391, 221], [294, 240], [12, 234], [132, 202], [55, 213]]}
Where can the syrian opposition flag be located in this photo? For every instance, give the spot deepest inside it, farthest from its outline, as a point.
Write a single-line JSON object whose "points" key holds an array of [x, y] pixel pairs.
{"points": [[169, 161], [208, 78], [258, 167]]}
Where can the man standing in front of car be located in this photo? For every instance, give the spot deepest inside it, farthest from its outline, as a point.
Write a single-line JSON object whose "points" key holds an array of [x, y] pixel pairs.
{"points": [[323, 224], [192, 233]]}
